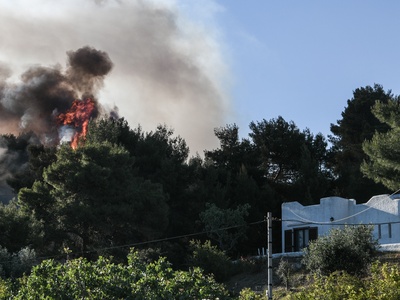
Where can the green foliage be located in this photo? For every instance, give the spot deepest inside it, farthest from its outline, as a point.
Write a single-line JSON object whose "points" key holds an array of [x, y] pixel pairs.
{"points": [[148, 255], [115, 131], [382, 284], [76, 279], [279, 145], [14, 265], [102, 279], [278, 162], [336, 286], [284, 272], [90, 198], [248, 294], [350, 249], [233, 155], [314, 178], [383, 161], [159, 158], [358, 124], [225, 226], [210, 259], [18, 228], [6, 289]]}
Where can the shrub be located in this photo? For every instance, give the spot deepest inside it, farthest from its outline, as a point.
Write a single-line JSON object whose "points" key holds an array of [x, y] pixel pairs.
{"points": [[16, 264], [249, 265], [248, 294], [284, 272], [6, 289], [102, 279], [383, 284], [211, 260], [350, 249], [336, 286]]}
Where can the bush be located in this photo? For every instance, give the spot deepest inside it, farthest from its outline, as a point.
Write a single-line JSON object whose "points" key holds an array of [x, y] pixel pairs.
{"points": [[284, 272], [336, 286], [249, 265], [383, 284], [6, 289], [211, 260], [14, 265], [350, 249], [248, 294], [102, 279]]}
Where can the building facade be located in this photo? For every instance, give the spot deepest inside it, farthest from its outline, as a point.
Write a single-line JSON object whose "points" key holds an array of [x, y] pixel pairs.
{"points": [[301, 224]]}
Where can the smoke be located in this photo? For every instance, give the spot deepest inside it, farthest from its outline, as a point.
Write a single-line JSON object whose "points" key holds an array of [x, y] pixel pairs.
{"points": [[87, 69], [45, 92], [13, 160], [32, 107], [148, 61], [168, 65]]}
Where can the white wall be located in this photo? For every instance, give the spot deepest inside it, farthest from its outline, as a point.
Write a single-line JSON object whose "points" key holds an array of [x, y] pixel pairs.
{"points": [[382, 210]]}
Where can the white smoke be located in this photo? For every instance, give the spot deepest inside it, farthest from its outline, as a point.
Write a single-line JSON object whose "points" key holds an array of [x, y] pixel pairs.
{"points": [[168, 66], [66, 133]]}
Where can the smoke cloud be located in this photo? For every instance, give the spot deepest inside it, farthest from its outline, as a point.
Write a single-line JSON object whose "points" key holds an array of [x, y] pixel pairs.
{"points": [[167, 68], [32, 107], [87, 69], [43, 93], [149, 60]]}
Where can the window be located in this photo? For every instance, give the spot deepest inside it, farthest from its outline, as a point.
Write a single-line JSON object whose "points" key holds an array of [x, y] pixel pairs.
{"points": [[384, 231], [288, 241], [299, 238]]}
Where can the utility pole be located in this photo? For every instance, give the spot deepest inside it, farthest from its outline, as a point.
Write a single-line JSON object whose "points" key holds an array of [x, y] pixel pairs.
{"points": [[269, 240]]}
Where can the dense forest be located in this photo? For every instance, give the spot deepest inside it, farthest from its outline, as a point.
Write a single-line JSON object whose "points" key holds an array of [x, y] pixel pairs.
{"points": [[121, 187]]}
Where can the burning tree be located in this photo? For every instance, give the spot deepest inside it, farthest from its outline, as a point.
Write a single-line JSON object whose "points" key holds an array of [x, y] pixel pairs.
{"points": [[78, 117], [43, 107]]}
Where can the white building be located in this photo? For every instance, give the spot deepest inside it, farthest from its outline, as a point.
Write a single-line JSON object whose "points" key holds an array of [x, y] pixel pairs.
{"points": [[300, 224]]}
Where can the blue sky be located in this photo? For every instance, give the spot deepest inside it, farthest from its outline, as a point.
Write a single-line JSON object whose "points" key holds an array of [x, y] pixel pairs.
{"points": [[303, 59], [198, 65]]}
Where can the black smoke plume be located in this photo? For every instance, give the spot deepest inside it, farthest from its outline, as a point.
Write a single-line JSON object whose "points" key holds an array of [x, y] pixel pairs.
{"points": [[30, 107], [45, 92], [87, 69], [170, 60]]}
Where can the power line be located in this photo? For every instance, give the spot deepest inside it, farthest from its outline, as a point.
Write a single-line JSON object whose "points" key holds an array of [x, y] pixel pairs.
{"points": [[141, 243]]}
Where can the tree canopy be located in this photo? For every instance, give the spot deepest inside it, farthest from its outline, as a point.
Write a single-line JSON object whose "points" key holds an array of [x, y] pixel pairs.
{"points": [[91, 198], [225, 226], [383, 162], [358, 124]]}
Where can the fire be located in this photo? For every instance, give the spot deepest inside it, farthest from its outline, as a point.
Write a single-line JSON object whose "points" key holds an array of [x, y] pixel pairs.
{"points": [[78, 116]]}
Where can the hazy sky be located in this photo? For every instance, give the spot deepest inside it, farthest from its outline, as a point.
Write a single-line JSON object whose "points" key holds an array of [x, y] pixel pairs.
{"points": [[197, 65]]}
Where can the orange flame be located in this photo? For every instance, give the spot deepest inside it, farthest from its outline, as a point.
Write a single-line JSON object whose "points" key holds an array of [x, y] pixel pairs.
{"points": [[78, 116]]}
